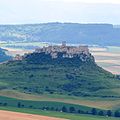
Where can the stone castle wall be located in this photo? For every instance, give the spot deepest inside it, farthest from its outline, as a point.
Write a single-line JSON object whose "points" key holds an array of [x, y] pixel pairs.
{"points": [[68, 50]]}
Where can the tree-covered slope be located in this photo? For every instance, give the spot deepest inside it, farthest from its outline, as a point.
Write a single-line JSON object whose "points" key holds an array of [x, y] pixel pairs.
{"points": [[3, 56], [39, 73], [100, 34]]}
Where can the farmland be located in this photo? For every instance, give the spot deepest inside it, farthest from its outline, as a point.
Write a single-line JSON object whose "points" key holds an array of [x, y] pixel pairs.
{"points": [[108, 58], [100, 103], [55, 114], [7, 115], [37, 105]]}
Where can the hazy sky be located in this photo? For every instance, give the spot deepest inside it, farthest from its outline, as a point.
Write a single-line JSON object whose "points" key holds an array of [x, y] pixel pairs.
{"points": [[81, 11]]}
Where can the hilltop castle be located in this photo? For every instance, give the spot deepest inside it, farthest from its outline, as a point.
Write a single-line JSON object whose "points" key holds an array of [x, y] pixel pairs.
{"points": [[69, 51]]}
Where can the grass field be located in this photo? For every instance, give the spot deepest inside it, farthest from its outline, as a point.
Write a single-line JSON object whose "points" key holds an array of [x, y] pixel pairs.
{"points": [[100, 103], [39, 103], [58, 114], [51, 105]]}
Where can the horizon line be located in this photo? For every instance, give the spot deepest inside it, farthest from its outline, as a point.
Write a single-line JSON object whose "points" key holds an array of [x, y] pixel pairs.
{"points": [[58, 22]]}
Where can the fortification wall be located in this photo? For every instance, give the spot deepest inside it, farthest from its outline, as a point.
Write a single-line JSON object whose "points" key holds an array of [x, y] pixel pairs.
{"points": [[68, 50]]}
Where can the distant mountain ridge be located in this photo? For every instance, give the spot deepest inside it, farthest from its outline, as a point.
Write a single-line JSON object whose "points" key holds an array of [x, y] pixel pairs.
{"points": [[98, 34]]}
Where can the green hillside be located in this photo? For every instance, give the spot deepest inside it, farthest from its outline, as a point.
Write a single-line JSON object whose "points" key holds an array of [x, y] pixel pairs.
{"points": [[3, 56], [40, 74]]}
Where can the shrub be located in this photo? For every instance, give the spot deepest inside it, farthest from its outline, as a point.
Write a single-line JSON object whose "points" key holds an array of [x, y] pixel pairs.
{"points": [[71, 109], [64, 109], [117, 114], [94, 111], [101, 113], [109, 113]]}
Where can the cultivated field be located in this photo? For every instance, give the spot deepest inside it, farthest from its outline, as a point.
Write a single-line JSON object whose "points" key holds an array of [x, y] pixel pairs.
{"points": [[54, 115], [107, 57], [100, 103], [7, 115]]}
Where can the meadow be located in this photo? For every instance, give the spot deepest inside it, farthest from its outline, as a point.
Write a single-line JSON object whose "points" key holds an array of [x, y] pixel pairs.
{"points": [[89, 102], [69, 116]]}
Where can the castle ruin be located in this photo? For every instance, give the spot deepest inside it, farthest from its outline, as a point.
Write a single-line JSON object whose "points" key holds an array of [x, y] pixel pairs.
{"points": [[69, 51]]}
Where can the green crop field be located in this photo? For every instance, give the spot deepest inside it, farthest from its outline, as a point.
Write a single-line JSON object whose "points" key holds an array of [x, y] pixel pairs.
{"points": [[97, 102], [58, 114], [12, 102], [34, 107]]}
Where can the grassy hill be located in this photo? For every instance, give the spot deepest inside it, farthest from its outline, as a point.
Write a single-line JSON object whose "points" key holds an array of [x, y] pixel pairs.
{"points": [[39, 82], [38, 73], [3, 56]]}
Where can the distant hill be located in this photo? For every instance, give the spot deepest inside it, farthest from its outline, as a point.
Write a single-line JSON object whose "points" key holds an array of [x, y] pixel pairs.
{"points": [[3, 56], [39, 73], [100, 34]]}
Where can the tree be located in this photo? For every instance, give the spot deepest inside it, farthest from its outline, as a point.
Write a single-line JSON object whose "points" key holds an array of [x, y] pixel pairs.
{"points": [[5, 104], [22, 106], [72, 109], [109, 113], [117, 114], [30, 106], [101, 113], [52, 108], [56, 109], [79, 111], [19, 105], [87, 112], [47, 108], [64, 109], [43, 108], [94, 111]]}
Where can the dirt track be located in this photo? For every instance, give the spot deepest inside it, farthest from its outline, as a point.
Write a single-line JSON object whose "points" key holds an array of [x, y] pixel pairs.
{"points": [[7, 115]]}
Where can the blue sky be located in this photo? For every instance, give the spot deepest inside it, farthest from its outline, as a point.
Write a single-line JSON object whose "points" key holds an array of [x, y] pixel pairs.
{"points": [[42, 11]]}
